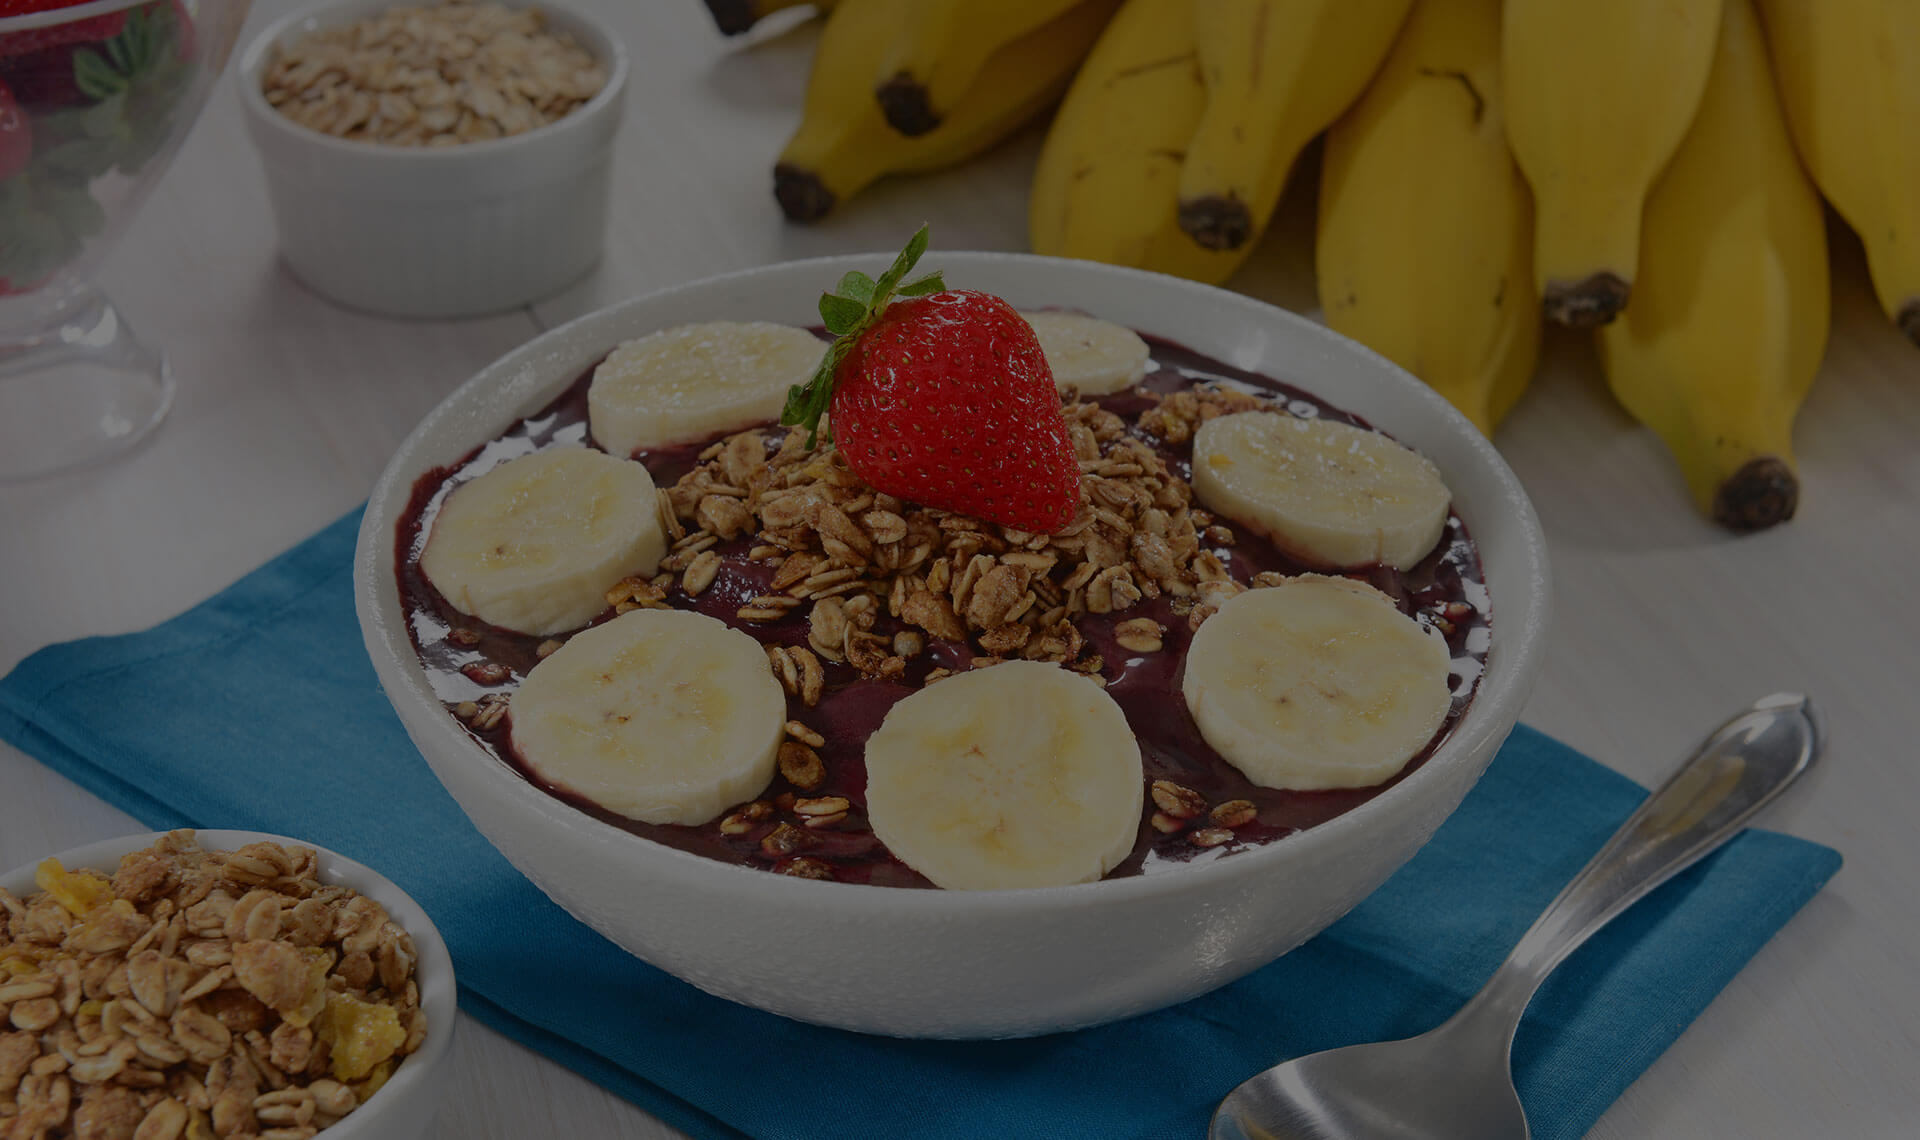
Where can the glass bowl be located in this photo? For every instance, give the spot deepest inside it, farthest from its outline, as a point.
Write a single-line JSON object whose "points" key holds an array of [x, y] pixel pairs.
{"points": [[94, 100]]}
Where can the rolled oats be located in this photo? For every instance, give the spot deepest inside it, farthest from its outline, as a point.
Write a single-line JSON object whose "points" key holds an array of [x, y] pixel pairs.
{"points": [[436, 75], [163, 1006], [1141, 635], [1233, 813], [1177, 800], [804, 734], [801, 765]]}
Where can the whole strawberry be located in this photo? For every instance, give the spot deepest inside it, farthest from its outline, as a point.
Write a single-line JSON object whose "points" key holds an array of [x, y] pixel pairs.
{"points": [[943, 399]]}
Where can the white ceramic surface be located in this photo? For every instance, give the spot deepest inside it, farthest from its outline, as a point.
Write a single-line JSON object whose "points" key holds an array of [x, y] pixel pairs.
{"points": [[405, 1105], [438, 231], [969, 964]]}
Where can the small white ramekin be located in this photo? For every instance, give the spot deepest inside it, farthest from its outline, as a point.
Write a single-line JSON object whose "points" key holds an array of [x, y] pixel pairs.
{"points": [[405, 1106], [438, 231]]}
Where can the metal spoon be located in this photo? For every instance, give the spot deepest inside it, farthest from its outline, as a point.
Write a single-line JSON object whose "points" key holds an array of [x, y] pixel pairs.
{"points": [[1455, 1082]]}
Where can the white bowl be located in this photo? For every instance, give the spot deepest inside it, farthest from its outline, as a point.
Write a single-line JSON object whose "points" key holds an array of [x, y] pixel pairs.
{"points": [[405, 1105], [929, 963], [438, 231]]}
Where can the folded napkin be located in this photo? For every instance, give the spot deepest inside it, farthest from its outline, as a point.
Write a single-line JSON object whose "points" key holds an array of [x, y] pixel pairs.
{"points": [[258, 710]]}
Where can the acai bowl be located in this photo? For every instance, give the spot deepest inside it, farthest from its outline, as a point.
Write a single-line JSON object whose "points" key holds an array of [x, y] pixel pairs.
{"points": [[782, 886]]}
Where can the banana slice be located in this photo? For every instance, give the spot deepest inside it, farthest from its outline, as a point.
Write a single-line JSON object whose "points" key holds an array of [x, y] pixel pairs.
{"points": [[1016, 775], [694, 381], [664, 716], [535, 544], [1316, 683], [1329, 494], [1095, 357]]}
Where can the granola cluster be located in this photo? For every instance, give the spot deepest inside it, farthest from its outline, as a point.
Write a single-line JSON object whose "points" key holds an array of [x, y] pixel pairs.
{"points": [[198, 994], [432, 76], [844, 554]]}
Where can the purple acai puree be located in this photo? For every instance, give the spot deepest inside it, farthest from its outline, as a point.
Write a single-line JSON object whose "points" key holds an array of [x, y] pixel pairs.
{"points": [[455, 649]]}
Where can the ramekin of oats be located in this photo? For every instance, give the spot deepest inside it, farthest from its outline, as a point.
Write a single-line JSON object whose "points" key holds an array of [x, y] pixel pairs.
{"points": [[437, 158], [221, 984]]}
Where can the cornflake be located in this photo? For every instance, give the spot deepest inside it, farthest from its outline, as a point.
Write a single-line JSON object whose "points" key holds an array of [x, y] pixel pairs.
{"points": [[198, 993]]}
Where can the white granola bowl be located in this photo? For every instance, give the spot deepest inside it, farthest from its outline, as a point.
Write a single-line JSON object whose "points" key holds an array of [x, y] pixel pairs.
{"points": [[405, 1105], [450, 231], [929, 963]]}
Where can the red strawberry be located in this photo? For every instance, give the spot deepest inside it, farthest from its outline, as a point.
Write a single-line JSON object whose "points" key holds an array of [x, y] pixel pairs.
{"points": [[16, 136], [92, 29], [43, 79], [945, 400]]}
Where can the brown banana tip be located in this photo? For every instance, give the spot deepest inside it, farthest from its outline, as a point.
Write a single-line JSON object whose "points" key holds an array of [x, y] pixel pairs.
{"points": [[802, 196], [1909, 320], [904, 103], [1585, 304], [1216, 222], [732, 16], [1761, 494]]}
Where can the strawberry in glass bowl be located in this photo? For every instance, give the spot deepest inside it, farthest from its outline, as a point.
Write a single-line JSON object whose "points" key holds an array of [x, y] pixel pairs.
{"points": [[94, 100]]}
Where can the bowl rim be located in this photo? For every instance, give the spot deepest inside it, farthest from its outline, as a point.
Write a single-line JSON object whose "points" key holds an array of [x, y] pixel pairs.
{"points": [[433, 964], [1521, 643], [327, 13]]}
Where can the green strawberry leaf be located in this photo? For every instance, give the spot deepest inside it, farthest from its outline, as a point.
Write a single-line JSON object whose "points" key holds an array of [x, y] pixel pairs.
{"points": [[903, 264], [848, 312], [96, 77], [920, 287], [841, 314], [856, 286]]}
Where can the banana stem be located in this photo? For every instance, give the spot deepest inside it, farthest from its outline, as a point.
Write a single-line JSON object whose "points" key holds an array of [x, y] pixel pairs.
{"points": [[1588, 303], [1762, 493], [907, 105], [1217, 221]]}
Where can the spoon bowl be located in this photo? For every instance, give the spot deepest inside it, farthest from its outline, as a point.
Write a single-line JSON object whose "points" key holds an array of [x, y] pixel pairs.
{"points": [[1455, 1082]]}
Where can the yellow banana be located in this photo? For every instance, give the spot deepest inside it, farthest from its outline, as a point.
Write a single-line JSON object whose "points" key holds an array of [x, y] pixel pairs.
{"points": [[1425, 246], [1598, 96], [940, 50], [1849, 74], [1730, 309], [733, 17], [1106, 185], [1277, 73], [843, 144]]}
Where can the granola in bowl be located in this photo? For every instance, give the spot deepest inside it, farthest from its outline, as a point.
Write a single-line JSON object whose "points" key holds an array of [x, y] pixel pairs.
{"points": [[156, 987]]}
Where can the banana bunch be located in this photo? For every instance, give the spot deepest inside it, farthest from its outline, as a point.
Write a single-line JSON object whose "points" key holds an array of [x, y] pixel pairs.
{"points": [[1175, 141], [901, 88], [1639, 167], [1651, 170]]}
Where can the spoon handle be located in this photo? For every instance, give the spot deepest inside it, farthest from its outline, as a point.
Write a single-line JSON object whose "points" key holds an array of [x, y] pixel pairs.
{"points": [[1738, 770]]}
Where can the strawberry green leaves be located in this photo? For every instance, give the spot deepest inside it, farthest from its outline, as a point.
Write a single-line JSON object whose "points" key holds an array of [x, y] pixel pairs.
{"points": [[847, 312]]}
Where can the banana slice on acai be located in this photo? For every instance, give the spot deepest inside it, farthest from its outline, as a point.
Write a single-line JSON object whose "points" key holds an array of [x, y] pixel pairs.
{"points": [[690, 382], [1016, 775], [1316, 683], [664, 716], [535, 544], [1092, 356], [1330, 494]]}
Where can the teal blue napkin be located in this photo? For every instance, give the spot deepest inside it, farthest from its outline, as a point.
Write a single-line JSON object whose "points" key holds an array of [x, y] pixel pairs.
{"points": [[258, 710]]}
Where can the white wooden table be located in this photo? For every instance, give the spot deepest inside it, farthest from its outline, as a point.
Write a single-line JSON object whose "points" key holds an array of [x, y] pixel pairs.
{"points": [[289, 406]]}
